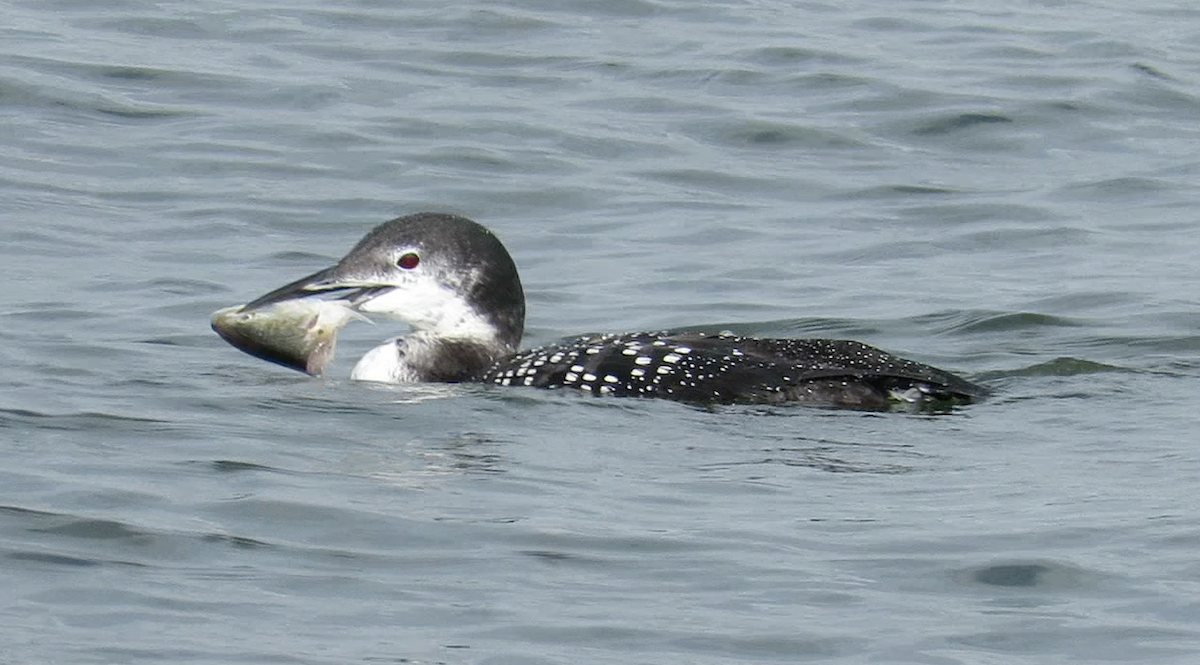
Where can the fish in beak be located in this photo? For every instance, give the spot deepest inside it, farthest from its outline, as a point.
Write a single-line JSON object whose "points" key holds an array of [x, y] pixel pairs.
{"points": [[296, 325]]}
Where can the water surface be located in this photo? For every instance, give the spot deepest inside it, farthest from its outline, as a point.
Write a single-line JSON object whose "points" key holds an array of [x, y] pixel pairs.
{"points": [[1006, 192]]}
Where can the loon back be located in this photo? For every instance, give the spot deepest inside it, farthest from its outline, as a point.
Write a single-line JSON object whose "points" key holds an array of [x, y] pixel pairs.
{"points": [[724, 368], [457, 286]]}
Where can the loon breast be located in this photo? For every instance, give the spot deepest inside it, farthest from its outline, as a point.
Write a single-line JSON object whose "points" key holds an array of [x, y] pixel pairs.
{"points": [[725, 368]]}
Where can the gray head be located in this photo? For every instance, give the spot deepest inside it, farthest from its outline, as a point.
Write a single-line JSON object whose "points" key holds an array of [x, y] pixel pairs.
{"points": [[444, 275]]}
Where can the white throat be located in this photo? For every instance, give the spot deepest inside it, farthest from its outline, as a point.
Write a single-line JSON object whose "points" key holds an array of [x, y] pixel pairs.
{"points": [[430, 307], [437, 314], [387, 363]]}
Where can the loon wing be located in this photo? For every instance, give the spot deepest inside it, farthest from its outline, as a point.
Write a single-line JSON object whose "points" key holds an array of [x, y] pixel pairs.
{"points": [[827, 358], [705, 368]]}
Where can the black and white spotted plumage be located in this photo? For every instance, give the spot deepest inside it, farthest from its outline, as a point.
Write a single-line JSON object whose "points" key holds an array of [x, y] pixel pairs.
{"points": [[724, 368], [456, 285]]}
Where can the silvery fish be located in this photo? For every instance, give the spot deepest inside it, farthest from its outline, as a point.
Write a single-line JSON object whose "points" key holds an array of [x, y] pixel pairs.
{"points": [[298, 334]]}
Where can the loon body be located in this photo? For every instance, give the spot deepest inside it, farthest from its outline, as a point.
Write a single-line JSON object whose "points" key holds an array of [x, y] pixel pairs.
{"points": [[456, 285]]}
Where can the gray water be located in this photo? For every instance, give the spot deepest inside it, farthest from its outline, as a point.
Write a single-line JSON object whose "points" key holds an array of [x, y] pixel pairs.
{"points": [[1006, 190]]}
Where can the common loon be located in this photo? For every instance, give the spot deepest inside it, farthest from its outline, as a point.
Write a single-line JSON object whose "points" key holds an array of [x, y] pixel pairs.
{"points": [[455, 284]]}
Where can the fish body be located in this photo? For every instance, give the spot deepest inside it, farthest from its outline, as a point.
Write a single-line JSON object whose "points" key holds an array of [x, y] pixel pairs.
{"points": [[297, 334]]}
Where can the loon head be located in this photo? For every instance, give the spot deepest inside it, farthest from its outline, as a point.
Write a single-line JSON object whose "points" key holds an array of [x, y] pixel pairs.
{"points": [[446, 276]]}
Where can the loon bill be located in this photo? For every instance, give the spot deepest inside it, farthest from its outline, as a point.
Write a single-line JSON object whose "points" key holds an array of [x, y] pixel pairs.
{"points": [[455, 284]]}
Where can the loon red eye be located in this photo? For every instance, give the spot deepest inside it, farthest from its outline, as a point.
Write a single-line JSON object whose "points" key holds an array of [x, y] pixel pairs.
{"points": [[408, 261]]}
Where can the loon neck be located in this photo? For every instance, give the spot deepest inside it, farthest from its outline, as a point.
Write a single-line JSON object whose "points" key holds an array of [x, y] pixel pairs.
{"points": [[424, 356], [454, 338]]}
